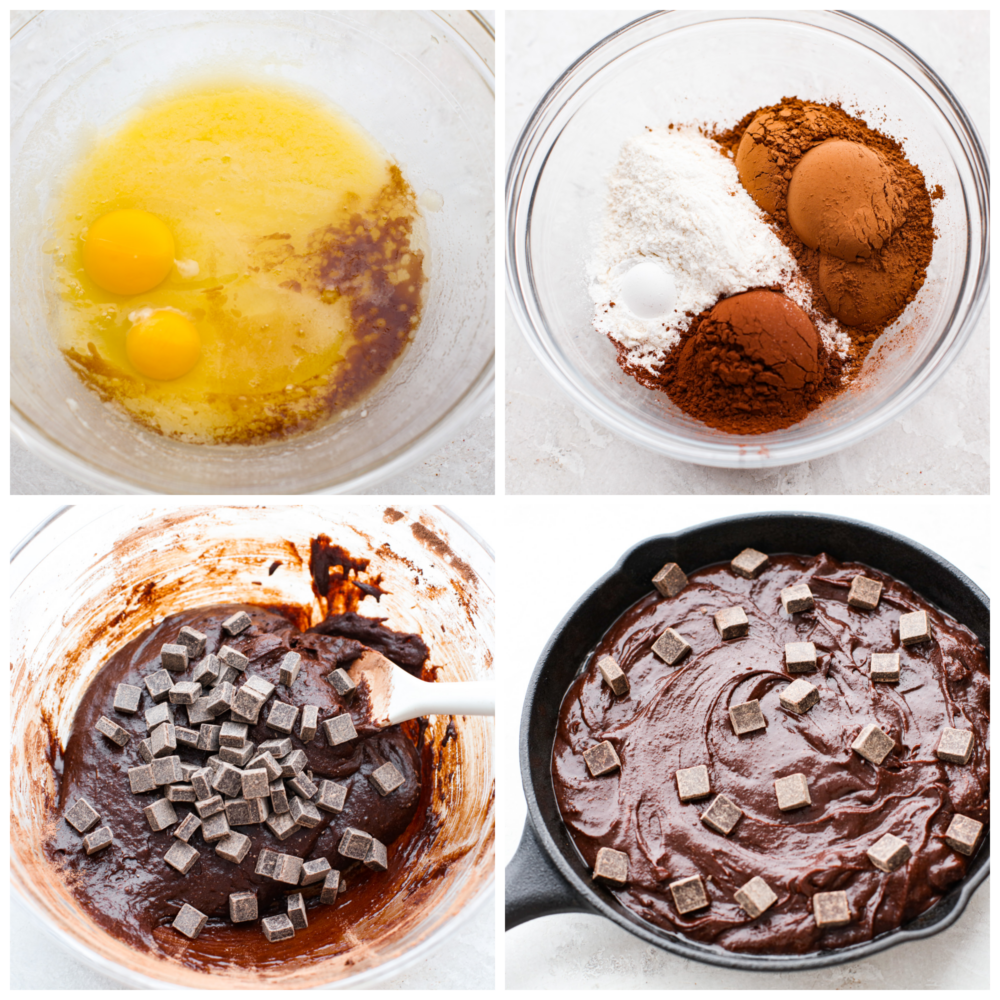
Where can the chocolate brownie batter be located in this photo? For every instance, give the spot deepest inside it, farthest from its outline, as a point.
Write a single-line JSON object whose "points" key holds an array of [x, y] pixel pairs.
{"points": [[677, 717]]}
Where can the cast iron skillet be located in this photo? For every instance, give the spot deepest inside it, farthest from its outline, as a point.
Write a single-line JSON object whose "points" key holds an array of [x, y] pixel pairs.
{"points": [[547, 874]]}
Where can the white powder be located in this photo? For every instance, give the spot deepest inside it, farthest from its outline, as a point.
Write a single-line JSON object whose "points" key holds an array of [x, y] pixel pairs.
{"points": [[675, 198]]}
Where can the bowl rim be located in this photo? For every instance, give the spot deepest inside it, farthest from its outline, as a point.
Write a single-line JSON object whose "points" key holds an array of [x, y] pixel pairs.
{"points": [[526, 166]]}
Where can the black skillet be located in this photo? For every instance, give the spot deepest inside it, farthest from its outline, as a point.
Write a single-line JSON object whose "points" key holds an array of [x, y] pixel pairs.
{"points": [[547, 874]]}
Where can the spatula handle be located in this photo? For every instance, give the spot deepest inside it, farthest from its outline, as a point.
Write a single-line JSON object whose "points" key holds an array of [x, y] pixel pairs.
{"points": [[412, 698]]}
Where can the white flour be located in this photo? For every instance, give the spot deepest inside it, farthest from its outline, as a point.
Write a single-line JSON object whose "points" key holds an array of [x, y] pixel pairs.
{"points": [[675, 198]]}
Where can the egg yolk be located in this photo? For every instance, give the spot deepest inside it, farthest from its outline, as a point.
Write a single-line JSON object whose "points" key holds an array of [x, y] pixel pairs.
{"points": [[164, 345], [128, 252]]}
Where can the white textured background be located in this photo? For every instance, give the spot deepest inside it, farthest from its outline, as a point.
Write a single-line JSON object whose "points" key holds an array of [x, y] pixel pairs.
{"points": [[572, 545], [940, 445]]}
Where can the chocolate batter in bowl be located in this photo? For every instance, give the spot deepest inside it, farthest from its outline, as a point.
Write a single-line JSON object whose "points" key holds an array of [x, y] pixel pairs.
{"points": [[86, 586]]}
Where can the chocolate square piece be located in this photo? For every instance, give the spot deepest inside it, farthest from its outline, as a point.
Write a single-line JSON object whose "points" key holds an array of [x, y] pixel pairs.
{"points": [[214, 828], [98, 840], [722, 815], [262, 808], [354, 844], [885, 667], [282, 717], [198, 713], [166, 770], [220, 698], [232, 658], [800, 657], [208, 737], [228, 780], [146, 750], [799, 696], [692, 783], [160, 814], [233, 847], [158, 685], [247, 703], [955, 745], [278, 928], [339, 730], [331, 886], [163, 740], [279, 797], [82, 816], [289, 668], [241, 812], [308, 723], [755, 897], [295, 762], [914, 627], [287, 869], [242, 907], [210, 806], [611, 867], [864, 593], [873, 744], [112, 730], [180, 793], [670, 581], [297, 911], [232, 734], [265, 862], [281, 825], [831, 910], [239, 622], [238, 756], [192, 641], [182, 857], [127, 699], [601, 759], [341, 682], [190, 922], [188, 771], [157, 715], [174, 657], [184, 693], [889, 852], [613, 676], [276, 748], [186, 737], [331, 796], [963, 834], [792, 792], [386, 778], [186, 827], [732, 623], [314, 871], [140, 779], [270, 766], [207, 671], [302, 785], [746, 717], [749, 563], [797, 598], [689, 894], [227, 674], [377, 859], [202, 782], [671, 647], [257, 683], [304, 812]]}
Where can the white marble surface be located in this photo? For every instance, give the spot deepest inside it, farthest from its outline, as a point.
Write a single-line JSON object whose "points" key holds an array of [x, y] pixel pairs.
{"points": [[587, 952], [940, 445]]}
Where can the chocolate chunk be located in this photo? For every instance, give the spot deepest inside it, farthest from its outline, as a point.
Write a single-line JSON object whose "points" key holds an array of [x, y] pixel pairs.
{"points": [[163, 740], [889, 852], [746, 717], [281, 825], [601, 759], [239, 622], [873, 744], [192, 641], [82, 816], [174, 657], [227, 674], [314, 871], [270, 766], [190, 922], [265, 862], [257, 683], [689, 894], [187, 826], [210, 806], [112, 730], [282, 717], [613, 676], [692, 783], [341, 682], [238, 756], [127, 699], [799, 696], [140, 779], [263, 811], [831, 910], [166, 770], [241, 812], [386, 778], [157, 715], [293, 764], [749, 563], [671, 647], [228, 780], [188, 771], [377, 859], [160, 814], [199, 712], [963, 834], [214, 828], [331, 886], [297, 911], [208, 670], [304, 812], [184, 693], [792, 792], [722, 815], [331, 796], [955, 745], [864, 593], [98, 840], [302, 785], [289, 668], [233, 847], [278, 928], [208, 737], [279, 797], [670, 581], [202, 782], [186, 737], [220, 698], [611, 867], [247, 703], [732, 623], [885, 667], [914, 627], [232, 658], [276, 748], [146, 751], [287, 869], [354, 844], [242, 907], [309, 723], [158, 685], [339, 730], [181, 793], [755, 897], [233, 734], [797, 598], [181, 856], [800, 657]]}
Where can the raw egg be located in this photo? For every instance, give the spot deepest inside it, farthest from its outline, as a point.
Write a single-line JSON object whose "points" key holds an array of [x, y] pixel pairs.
{"points": [[163, 345], [128, 252]]}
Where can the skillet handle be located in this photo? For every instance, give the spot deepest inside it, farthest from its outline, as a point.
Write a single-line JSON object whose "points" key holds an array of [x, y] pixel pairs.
{"points": [[533, 886]]}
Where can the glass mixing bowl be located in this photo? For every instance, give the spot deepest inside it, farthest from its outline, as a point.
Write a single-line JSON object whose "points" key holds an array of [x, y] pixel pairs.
{"points": [[420, 83], [694, 67], [76, 596]]}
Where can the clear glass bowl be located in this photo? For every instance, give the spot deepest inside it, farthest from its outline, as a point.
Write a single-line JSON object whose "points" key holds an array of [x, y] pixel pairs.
{"points": [[421, 84], [83, 573], [693, 67]]}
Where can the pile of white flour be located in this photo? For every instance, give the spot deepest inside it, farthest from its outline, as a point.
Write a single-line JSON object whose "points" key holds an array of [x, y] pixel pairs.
{"points": [[675, 198]]}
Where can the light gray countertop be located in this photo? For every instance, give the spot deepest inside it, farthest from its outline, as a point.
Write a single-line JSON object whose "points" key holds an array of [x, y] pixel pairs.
{"points": [[940, 445]]}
